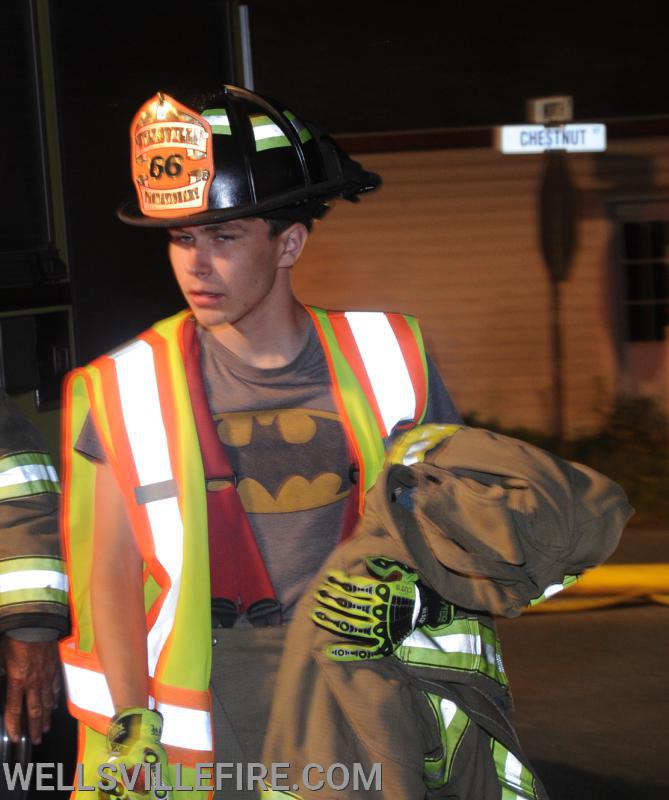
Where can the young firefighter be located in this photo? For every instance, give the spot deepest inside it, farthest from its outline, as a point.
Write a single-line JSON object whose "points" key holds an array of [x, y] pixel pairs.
{"points": [[228, 448]]}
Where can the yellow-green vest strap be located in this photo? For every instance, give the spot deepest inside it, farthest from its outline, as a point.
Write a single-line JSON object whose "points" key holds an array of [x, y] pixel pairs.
{"points": [[365, 415]]}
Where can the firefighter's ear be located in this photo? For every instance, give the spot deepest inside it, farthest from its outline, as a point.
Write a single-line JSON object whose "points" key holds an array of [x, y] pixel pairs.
{"points": [[291, 243]]}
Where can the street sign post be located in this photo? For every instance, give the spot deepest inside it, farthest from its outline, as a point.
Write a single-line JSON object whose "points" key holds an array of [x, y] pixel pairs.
{"points": [[551, 131]]}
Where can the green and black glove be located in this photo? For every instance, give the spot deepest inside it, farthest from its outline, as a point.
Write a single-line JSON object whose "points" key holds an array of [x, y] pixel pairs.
{"points": [[375, 614], [133, 739]]}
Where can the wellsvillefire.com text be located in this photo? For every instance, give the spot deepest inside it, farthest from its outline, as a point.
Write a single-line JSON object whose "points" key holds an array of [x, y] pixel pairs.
{"points": [[218, 776]]}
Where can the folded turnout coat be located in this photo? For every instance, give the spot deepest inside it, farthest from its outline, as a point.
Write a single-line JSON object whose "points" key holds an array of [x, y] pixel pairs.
{"points": [[492, 524]]}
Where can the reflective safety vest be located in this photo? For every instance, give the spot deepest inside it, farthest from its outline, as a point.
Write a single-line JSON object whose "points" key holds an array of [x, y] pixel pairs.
{"points": [[139, 401]]}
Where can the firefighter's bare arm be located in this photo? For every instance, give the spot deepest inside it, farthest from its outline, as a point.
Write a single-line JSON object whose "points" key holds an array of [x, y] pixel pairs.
{"points": [[117, 597], [119, 625]]}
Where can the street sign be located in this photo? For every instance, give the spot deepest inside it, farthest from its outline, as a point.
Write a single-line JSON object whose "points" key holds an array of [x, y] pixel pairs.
{"points": [[554, 110], [586, 137]]}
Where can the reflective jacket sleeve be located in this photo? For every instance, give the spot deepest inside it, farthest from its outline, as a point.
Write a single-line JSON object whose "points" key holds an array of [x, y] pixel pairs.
{"points": [[33, 582]]}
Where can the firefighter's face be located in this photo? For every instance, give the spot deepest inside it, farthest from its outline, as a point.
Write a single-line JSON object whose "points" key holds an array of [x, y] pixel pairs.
{"points": [[231, 272]]}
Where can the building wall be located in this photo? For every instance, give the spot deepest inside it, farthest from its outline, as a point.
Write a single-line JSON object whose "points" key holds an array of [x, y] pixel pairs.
{"points": [[452, 237]]}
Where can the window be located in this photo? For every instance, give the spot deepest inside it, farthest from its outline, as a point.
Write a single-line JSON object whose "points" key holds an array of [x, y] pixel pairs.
{"points": [[645, 256]]}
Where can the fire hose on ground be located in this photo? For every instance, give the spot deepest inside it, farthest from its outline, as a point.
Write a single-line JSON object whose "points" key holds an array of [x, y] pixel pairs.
{"points": [[609, 585]]}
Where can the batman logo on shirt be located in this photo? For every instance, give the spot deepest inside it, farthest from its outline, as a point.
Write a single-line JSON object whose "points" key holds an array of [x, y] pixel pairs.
{"points": [[286, 460]]}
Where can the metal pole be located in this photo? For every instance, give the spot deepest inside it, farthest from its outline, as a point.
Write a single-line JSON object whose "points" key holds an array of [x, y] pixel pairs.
{"points": [[556, 363], [558, 241]]}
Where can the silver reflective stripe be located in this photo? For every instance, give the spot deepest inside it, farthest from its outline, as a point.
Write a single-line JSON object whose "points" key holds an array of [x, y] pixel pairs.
{"points": [[453, 643], [453, 724], [218, 119], [382, 356], [142, 415], [267, 131], [554, 588], [89, 690], [300, 127], [512, 771], [182, 727], [185, 727], [417, 606], [27, 474], [167, 529], [416, 452], [141, 412], [515, 779], [448, 711], [33, 579]]}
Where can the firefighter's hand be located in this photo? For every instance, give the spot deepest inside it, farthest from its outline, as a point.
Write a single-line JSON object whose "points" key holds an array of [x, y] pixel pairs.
{"points": [[374, 615], [133, 740], [33, 673]]}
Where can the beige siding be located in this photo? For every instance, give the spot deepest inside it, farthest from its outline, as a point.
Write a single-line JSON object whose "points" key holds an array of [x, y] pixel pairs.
{"points": [[452, 238]]}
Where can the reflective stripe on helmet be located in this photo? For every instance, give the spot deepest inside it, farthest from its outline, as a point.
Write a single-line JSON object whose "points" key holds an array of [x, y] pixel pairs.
{"points": [[267, 134], [142, 416], [24, 474], [300, 127], [382, 356], [218, 119]]}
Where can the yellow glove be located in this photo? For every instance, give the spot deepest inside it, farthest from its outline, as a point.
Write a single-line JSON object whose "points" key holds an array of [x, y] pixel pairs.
{"points": [[133, 739], [374, 615], [412, 446]]}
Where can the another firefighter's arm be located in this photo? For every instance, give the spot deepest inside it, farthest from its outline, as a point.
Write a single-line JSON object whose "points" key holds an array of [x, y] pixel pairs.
{"points": [[33, 601], [117, 597]]}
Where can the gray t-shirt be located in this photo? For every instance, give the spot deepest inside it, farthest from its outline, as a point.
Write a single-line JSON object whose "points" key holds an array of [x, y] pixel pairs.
{"points": [[283, 436]]}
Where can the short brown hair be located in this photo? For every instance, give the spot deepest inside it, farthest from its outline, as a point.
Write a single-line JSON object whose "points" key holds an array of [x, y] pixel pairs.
{"points": [[278, 226]]}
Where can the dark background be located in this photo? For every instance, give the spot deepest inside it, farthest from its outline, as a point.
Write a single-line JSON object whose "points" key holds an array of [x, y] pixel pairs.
{"points": [[353, 66], [371, 66]]}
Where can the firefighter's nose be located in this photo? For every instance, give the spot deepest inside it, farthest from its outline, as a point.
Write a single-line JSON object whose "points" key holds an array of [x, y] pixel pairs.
{"points": [[200, 263]]}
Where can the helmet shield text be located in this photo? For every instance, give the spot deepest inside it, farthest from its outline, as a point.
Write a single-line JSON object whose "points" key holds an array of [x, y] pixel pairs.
{"points": [[172, 161]]}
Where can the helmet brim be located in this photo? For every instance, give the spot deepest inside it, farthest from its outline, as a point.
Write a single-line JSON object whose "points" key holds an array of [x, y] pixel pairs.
{"points": [[366, 181]]}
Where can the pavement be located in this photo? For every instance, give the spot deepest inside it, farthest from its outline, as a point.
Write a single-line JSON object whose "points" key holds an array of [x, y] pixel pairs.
{"points": [[645, 544], [590, 690]]}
